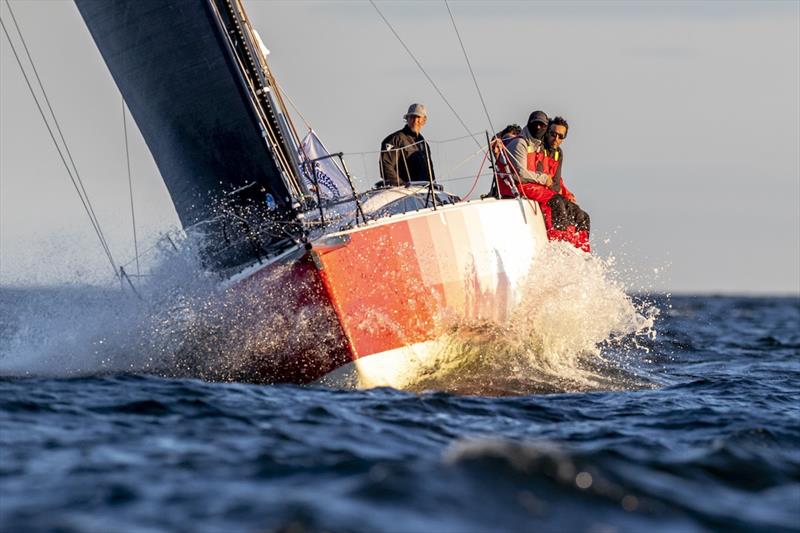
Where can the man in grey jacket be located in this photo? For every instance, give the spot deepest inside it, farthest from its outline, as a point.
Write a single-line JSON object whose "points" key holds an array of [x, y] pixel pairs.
{"points": [[529, 142]]}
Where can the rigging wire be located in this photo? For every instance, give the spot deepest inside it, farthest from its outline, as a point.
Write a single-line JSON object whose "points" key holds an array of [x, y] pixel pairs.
{"points": [[469, 65], [271, 137], [410, 53], [76, 180], [429, 141], [470, 157], [462, 178], [291, 103], [130, 187], [80, 189], [443, 141], [158, 244]]}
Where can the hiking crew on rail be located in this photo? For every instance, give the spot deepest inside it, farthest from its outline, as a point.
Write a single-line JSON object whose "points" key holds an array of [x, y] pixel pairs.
{"points": [[530, 165]]}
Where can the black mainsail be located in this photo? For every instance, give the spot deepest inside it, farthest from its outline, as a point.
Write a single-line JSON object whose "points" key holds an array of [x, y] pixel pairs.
{"points": [[199, 90]]}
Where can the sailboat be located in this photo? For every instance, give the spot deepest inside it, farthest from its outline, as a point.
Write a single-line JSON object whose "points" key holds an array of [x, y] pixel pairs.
{"points": [[394, 266]]}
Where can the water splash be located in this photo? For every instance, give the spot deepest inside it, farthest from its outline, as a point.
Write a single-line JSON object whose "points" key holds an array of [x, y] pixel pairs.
{"points": [[72, 330], [574, 329], [180, 322]]}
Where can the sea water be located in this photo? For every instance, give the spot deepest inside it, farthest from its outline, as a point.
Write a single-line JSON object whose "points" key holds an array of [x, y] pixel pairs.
{"points": [[591, 410]]}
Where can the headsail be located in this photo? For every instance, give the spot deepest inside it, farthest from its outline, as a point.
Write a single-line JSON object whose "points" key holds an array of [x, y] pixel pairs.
{"points": [[186, 71]]}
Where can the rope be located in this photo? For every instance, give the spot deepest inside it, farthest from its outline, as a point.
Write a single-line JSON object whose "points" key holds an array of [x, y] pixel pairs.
{"points": [[130, 188], [474, 183], [423, 70], [474, 79], [76, 180]]}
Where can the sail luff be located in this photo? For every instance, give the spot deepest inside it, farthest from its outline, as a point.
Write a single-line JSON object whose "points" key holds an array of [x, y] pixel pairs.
{"points": [[274, 143], [275, 98], [262, 87]]}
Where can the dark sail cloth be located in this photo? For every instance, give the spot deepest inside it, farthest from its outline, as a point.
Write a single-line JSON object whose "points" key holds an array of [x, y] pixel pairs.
{"points": [[405, 157], [182, 84], [187, 88]]}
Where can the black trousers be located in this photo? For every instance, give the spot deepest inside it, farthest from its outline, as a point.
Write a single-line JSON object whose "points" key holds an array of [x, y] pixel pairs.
{"points": [[564, 213]]}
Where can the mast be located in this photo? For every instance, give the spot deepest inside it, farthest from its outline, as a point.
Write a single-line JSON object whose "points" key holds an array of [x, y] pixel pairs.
{"points": [[278, 130]]}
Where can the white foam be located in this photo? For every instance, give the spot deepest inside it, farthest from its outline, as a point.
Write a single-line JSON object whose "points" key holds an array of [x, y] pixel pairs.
{"points": [[571, 308], [71, 330]]}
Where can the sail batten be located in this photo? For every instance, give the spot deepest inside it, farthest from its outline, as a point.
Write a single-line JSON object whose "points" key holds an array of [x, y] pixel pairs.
{"points": [[186, 90]]}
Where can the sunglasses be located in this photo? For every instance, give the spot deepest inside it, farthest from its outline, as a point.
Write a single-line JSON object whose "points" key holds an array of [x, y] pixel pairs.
{"points": [[561, 136]]}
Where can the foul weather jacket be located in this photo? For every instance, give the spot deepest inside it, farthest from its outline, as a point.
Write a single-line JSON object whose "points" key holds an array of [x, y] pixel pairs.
{"points": [[405, 157], [533, 167], [522, 151]]}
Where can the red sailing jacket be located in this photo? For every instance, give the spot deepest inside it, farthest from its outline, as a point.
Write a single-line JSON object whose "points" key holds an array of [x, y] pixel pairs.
{"points": [[537, 161], [540, 161]]}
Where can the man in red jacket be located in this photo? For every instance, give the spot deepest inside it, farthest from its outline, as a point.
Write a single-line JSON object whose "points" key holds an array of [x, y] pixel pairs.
{"points": [[569, 222], [536, 167]]}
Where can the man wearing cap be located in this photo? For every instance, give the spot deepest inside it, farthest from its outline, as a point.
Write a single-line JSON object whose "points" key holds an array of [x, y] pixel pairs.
{"points": [[525, 151], [405, 155]]}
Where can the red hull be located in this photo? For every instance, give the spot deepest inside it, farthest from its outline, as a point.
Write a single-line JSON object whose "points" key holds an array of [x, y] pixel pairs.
{"points": [[399, 281]]}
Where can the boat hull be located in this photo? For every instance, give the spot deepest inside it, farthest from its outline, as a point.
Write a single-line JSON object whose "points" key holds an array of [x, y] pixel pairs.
{"points": [[395, 285]]}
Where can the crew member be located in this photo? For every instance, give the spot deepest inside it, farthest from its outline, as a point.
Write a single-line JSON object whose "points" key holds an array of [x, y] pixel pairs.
{"points": [[537, 124], [517, 164], [499, 146], [405, 155], [535, 170], [568, 221], [505, 136]]}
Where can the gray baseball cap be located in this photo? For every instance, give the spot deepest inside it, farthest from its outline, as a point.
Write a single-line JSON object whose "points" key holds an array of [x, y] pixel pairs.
{"points": [[417, 110]]}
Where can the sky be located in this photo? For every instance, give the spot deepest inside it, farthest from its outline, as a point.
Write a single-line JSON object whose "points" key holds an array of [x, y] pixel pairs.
{"points": [[684, 141]]}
